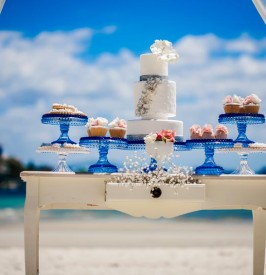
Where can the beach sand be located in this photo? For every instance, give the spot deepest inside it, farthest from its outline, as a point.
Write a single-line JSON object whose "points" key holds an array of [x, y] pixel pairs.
{"points": [[133, 246]]}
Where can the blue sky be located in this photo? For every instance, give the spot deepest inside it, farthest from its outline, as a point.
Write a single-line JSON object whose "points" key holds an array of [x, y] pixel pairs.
{"points": [[86, 53], [135, 21]]}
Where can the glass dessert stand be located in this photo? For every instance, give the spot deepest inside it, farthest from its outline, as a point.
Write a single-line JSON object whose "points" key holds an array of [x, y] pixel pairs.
{"points": [[243, 153], [103, 144], [209, 167], [64, 121], [62, 150], [242, 120], [138, 145]]}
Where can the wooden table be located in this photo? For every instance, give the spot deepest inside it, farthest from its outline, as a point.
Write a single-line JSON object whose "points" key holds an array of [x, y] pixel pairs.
{"points": [[46, 190]]}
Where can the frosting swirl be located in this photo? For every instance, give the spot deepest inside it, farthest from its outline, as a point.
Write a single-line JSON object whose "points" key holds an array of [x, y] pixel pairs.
{"points": [[118, 123], [252, 99], [99, 121]]}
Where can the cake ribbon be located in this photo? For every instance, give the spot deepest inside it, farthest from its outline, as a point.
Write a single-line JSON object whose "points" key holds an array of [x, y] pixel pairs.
{"points": [[152, 76]]}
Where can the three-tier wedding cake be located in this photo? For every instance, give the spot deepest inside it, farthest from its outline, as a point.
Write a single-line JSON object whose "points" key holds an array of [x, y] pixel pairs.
{"points": [[155, 95]]}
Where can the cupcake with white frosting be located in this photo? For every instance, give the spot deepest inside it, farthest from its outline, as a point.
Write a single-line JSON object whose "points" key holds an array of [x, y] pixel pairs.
{"points": [[251, 104], [232, 104], [117, 128], [97, 127]]}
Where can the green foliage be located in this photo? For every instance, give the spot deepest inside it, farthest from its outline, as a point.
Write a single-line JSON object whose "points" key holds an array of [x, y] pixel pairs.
{"points": [[10, 169]]}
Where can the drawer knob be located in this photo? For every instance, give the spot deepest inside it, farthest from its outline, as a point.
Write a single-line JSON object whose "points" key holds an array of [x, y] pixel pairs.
{"points": [[156, 192]]}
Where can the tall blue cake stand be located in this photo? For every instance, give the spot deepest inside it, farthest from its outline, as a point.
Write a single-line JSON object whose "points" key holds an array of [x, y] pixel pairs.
{"points": [[242, 120], [136, 145], [103, 144], [209, 167], [64, 121]]}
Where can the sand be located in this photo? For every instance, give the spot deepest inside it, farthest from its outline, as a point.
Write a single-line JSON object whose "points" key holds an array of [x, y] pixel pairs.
{"points": [[132, 246]]}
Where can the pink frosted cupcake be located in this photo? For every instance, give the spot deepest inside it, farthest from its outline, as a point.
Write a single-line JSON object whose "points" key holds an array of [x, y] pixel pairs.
{"points": [[118, 128], [232, 104], [207, 132], [97, 127], [195, 132], [251, 104], [221, 132]]}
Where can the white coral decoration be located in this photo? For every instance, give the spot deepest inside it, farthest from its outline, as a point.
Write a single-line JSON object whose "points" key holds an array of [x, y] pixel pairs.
{"points": [[164, 50], [136, 172]]}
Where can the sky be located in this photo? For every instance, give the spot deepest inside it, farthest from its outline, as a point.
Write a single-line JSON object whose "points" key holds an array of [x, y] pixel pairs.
{"points": [[86, 53]]}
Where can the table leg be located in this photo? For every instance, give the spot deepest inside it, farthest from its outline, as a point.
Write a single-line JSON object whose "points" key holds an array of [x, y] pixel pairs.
{"points": [[31, 228], [259, 231]]}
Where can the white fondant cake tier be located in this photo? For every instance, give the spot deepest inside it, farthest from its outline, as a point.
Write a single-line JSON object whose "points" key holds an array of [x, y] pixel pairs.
{"points": [[158, 104], [150, 64], [138, 129]]}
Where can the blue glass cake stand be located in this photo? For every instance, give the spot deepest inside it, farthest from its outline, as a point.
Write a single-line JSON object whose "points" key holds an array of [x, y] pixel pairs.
{"points": [[140, 145], [181, 146], [64, 121], [103, 144], [137, 145], [209, 167], [242, 120]]}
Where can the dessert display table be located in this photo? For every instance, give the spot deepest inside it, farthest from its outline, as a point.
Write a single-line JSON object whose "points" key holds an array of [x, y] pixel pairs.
{"points": [[46, 190]]}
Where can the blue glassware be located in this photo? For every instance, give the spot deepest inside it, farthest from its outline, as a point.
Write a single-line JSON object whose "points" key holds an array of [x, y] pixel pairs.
{"points": [[103, 144], [181, 146], [64, 121], [209, 167], [135, 145], [242, 120]]}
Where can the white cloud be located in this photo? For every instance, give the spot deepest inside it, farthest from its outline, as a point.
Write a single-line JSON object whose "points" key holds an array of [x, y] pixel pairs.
{"points": [[36, 72], [245, 44], [109, 29]]}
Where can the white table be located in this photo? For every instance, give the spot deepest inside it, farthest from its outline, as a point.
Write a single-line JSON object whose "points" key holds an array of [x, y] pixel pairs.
{"points": [[47, 190]]}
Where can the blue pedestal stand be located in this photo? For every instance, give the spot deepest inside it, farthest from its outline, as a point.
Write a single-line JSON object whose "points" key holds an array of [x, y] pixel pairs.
{"points": [[242, 120], [103, 144], [64, 121], [209, 167]]}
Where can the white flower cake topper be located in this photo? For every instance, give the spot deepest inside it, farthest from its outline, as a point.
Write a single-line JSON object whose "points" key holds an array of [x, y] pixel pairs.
{"points": [[164, 50]]}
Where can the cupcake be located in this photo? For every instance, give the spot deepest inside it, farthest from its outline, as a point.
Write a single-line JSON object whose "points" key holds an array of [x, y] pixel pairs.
{"points": [[117, 128], [195, 132], [97, 127], [207, 132], [232, 104], [221, 132], [251, 104]]}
